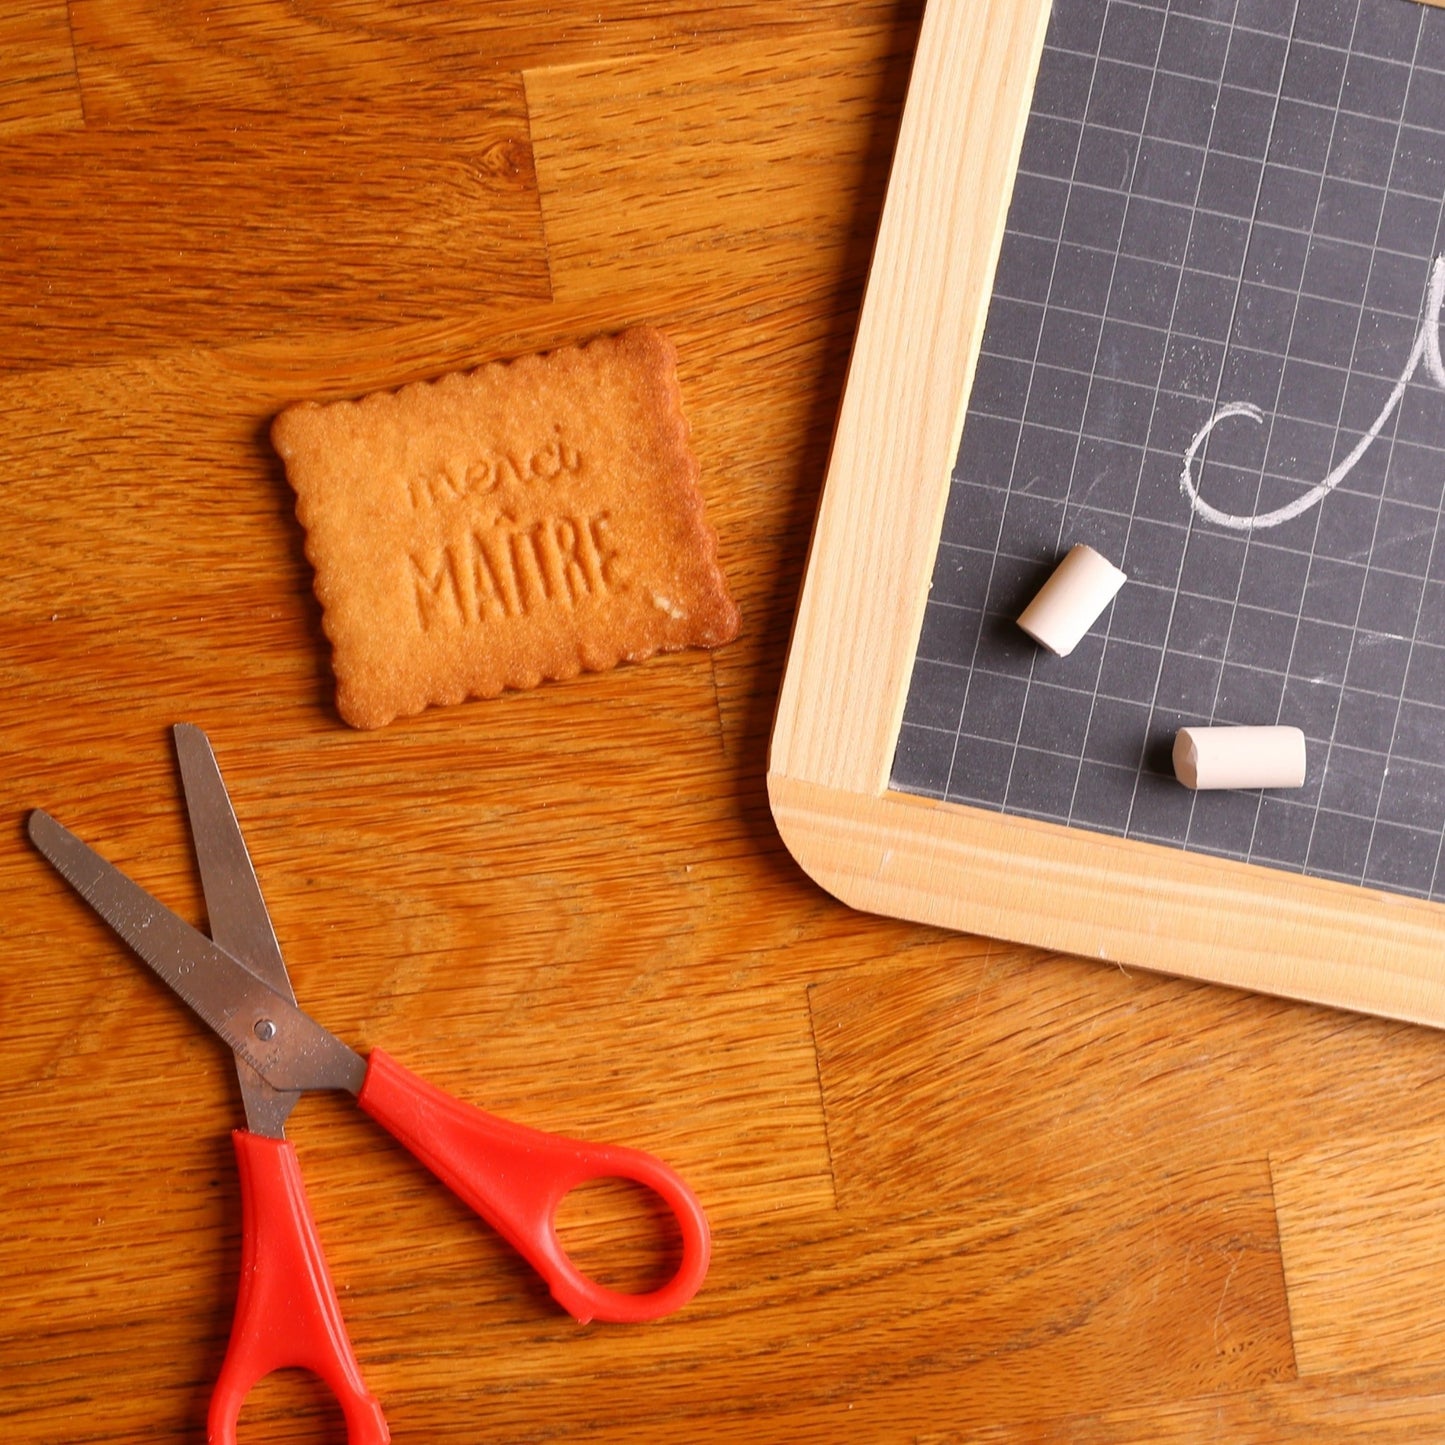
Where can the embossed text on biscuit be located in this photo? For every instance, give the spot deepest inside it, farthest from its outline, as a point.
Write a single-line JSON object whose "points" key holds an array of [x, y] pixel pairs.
{"points": [[506, 568], [475, 474]]}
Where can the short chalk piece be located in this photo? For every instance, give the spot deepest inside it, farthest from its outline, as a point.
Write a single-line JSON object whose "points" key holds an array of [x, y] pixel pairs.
{"points": [[1072, 600], [1240, 757]]}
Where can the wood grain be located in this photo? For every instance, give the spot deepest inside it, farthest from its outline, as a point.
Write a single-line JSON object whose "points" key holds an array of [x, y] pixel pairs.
{"points": [[678, 172], [1361, 1230], [355, 210], [39, 91], [960, 1190]]}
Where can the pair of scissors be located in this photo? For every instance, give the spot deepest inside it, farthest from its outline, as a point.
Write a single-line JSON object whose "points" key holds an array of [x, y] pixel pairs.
{"points": [[513, 1176]]}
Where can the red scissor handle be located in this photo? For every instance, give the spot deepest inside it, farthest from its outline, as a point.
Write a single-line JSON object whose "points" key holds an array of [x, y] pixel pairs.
{"points": [[286, 1309], [515, 1178]]}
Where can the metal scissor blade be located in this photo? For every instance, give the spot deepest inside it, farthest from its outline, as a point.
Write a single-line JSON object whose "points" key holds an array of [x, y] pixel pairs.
{"points": [[287, 1047], [240, 924]]}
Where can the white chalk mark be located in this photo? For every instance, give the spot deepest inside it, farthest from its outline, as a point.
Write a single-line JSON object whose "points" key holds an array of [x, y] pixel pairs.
{"points": [[1426, 349]]}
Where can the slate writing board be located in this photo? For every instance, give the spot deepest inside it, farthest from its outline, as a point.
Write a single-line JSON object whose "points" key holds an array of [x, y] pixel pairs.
{"points": [[1158, 275], [1215, 202]]}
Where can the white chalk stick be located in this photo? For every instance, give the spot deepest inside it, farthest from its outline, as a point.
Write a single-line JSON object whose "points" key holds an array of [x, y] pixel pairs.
{"points": [[1072, 600], [1240, 757]]}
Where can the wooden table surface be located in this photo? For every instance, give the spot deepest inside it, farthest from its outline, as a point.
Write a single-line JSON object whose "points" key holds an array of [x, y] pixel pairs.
{"points": [[959, 1191]]}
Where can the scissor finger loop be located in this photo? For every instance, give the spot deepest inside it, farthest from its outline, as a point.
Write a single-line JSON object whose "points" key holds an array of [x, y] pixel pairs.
{"points": [[515, 1177]]}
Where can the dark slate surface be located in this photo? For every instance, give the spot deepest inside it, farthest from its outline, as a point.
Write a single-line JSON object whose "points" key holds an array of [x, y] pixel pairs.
{"points": [[1219, 201]]}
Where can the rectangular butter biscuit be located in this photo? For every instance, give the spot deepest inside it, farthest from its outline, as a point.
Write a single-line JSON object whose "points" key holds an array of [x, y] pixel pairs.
{"points": [[528, 520]]}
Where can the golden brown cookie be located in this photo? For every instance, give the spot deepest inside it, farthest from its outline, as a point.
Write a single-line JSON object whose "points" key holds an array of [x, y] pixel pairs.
{"points": [[494, 528]]}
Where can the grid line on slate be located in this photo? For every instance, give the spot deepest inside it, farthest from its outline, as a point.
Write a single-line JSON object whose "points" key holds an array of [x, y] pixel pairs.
{"points": [[1273, 419], [963, 709], [1392, 752], [1059, 540], [1208, 211], [1388, 445], [1234, 311], [1158, 381]]}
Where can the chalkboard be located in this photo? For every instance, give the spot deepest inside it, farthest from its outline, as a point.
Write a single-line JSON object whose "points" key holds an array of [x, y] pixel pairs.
{"points": [[1160, 276], [1220, 248]]}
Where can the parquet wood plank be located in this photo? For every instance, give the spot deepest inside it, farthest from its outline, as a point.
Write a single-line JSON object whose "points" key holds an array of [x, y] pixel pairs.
{"points": [[357, 212], [140, 56], [1002, 1071], [739, 157], [1381, 1410], [1361, 1229], [39, 89]]}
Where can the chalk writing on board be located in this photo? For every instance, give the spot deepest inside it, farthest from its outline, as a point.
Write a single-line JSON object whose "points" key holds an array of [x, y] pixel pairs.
{"points": [[1426, 349]]}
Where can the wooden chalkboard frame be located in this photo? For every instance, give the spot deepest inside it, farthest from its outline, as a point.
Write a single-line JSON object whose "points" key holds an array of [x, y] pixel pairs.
{"points": [[861, 612]]}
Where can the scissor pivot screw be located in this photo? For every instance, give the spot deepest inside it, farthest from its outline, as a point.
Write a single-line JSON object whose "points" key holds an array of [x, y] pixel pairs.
{"points": [[265, 1030]]}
